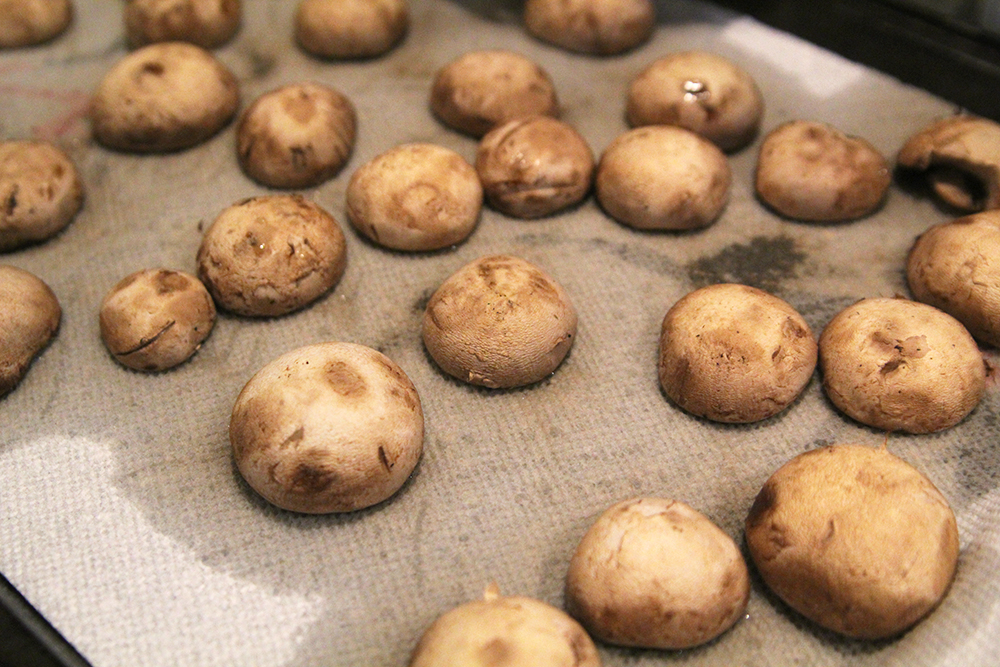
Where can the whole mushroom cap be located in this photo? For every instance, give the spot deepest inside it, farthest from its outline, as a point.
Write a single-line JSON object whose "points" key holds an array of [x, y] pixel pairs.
{"points": [[30, 22], [207, 23], [600, 27], [350, 28], [28, 320]]}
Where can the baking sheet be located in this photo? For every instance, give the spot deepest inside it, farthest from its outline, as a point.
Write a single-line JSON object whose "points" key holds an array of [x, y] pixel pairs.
{"points": [[124, 521]]}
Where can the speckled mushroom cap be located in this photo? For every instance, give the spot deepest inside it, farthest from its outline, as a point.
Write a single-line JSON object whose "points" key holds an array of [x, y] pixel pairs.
{"points": [[734, 353], [960, 157], [600, 27], [163, 97], [899, 365], [855, 539], [330, 427], [29, 22], [207, 23], [29, 319], [271, 255], [350, 28], [656, 573], [40, 192], [955, 266], [700, 91], [499, 321], [481, 89], [813, 171]]}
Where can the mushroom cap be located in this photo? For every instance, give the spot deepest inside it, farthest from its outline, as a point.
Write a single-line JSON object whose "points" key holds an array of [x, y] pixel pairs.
{"points": [[268, 256], [40, 192], [30, 22], [699, 91], [961, 157], [514, 631], [155, 319], [163, 97], [600, 27], [499, 321], [900, 365], [655, 573], [415, 197], [207, 23], [350, 28], [28, 321], [812, 171], [733, 353], [482, 89], [331, 427], [854, 539], [663, 177], [532, 167], [955, 266], [296, 136]]}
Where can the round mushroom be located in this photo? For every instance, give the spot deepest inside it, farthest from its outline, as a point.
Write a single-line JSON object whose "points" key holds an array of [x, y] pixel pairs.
{"points": [[269, 256], [664, 178], [699, 91], [854, 539], [40, 192], [655, 573], [163, 97], [207, 23], [28, 321], [960, 158], [30, 22], [499, 321], [899, 365], [812, 171], [733, 353], [514, 631], [600, 27], [533, 167], [331, 427], [415, 197], [156, 319], [296, 136], [955, 266], [483, 89], [350, 28]]}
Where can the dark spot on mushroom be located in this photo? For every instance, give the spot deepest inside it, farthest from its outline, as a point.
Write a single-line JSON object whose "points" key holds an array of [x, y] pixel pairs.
{"points": [[170, 281], [154, 68], [12, 200], [495, 653], [384, 459], [344, 379], [311, 480]]}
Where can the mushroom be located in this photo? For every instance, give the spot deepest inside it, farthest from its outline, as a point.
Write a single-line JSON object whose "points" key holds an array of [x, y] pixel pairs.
{"points": [[854, 539], [812, 171], [350, 28], [207, 23], [899, 365], [533, 167], [296, 136], [662, 177], [699, 91], [601, 27], [960, 157], [655, 573], [29, 319], [30, 22], [330, 427], [40, 192], [156, 319]]}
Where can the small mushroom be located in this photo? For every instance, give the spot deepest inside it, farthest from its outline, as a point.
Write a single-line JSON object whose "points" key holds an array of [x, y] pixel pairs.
{"points": [[960, 157], [163, 97], [699, 91], [955, 266], [812, 171], [207, 23], [663, 177], [499, 322], [29, 318], [535, 166], [40, 192], [482, 89], [330, 427], [296, 136], [600, 27], [350, 28], [156, 319], [900, 365], [30, 22]]}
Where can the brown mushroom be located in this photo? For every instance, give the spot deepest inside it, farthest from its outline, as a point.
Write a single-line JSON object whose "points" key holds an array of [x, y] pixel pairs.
{"points": [[30, 22], [350, 28], [601, 27], [29, 319], [207, 23]]}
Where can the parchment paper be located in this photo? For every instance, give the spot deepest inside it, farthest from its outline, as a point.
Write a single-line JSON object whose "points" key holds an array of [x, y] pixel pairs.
{"points": [[123, 520]]}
